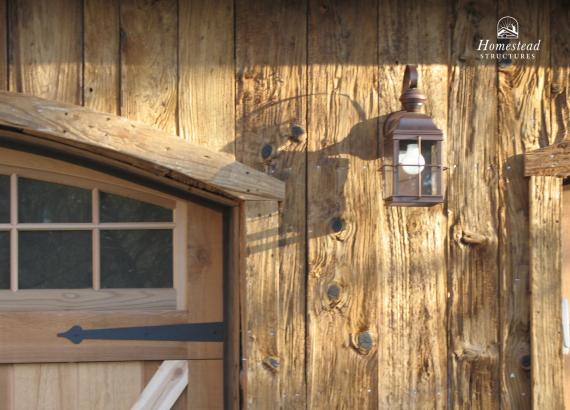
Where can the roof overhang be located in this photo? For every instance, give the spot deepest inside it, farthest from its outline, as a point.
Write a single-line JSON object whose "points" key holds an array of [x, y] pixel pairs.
{"points": [[133, 145], [553, 160]]}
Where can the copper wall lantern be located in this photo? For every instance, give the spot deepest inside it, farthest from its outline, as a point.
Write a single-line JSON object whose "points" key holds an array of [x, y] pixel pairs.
{"points": [[413, 151]]}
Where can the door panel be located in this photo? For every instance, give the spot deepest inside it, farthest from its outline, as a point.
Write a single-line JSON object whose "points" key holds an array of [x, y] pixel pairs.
{"points": [[100, 378]]}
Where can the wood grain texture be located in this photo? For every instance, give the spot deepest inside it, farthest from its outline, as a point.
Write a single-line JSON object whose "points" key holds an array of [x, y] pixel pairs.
{"points": [[46, 300], [45, 62], [565, 280], [155, 152], [261, 359], [165, 386], [560, 70], [106, 386], [343, 205], [205, 385], [472, 207], [7, 386], [149, 61], [4, 45], [101, 88], [232, 308], [523, 125], [412, 351], [206, 87], [22, 332], [553, 160], [271, 106], [545, 198], [46, 386]]}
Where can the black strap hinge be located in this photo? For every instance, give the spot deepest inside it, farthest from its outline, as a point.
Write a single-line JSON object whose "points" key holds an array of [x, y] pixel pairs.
{"points": [[185, 332]]}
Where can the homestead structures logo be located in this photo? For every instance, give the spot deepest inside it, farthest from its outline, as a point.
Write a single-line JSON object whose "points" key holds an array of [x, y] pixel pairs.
{"points": [[508, 27], [505, 48]]}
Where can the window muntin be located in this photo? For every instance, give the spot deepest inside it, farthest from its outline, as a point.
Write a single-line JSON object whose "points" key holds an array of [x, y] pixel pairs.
{"points": [[156, 211]]}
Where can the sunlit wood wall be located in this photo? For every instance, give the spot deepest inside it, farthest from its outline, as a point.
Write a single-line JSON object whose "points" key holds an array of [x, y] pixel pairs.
{"points": [[378, 307]]}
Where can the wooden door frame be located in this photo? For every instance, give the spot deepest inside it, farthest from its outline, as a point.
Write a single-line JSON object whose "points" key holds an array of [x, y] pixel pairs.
{"points": [[546, 168], [250, 200]]}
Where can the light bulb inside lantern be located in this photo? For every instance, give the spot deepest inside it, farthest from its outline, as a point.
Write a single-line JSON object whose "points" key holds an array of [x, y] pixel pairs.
{"points": [[411, 160]]}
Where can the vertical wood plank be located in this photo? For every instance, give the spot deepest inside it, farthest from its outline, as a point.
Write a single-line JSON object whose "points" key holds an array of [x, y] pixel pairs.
{"points": [[545, 283], [413, 277], [206, 87], [101, 53], [232, 314], [4, 45], [344, 204], [46, 62], [260, 305], [46, 386], [6, 370], [149, 61], [560, 87], [105, 386], [205, 386], [205, 264], [565, 281], [271, 115], [473, 206], [7, 387], [523, 124]]}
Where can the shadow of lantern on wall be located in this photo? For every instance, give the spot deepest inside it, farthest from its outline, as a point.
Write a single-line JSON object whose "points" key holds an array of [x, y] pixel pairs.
{"points": [[413, 151]]}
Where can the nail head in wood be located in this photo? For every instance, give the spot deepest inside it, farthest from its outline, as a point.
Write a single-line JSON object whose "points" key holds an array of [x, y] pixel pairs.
{"points": [[337, 224]]}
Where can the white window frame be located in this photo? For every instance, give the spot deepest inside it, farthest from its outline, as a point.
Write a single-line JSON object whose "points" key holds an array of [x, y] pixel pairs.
{"points": [[22, 164]]}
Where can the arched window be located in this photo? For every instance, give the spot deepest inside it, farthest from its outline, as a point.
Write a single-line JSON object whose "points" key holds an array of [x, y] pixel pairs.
{"points": [[67, 227]]}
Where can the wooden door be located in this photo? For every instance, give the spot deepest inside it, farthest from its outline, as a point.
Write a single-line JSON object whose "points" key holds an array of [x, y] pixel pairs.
{"points": [[39, 370]]}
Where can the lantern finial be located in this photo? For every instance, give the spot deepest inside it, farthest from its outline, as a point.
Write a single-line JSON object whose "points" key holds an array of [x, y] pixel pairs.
{"points": [[412, 98]]}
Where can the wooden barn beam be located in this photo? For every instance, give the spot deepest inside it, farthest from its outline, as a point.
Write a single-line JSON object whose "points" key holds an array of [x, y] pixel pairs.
{"points": [[545, 290], [136, 145], [553, 160]]}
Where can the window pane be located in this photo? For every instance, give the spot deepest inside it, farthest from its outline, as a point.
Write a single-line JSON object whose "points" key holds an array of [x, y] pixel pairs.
{"points": [[136, 258], [4, 199], [44, 202], [55, 260], [115, 208], [4, 260]]}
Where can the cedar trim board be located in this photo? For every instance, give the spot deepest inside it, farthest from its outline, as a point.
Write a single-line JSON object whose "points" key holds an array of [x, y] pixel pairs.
{"points": [[165, 386], [553, 160], [135, 145]]}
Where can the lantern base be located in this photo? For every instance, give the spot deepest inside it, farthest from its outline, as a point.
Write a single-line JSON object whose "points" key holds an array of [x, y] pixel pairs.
{"points": [[422, 201]]}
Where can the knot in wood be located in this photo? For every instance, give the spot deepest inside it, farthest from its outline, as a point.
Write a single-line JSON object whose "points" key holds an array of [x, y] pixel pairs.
{"points": [[296, 132], [362, 342], [337, 224], [468, 237], [267, 152], [272, 363], [525, 362]]}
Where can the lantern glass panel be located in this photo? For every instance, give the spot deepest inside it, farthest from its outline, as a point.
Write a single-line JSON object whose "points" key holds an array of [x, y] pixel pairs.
{"points": [[431, 152], [431, 180], [407, 180]]}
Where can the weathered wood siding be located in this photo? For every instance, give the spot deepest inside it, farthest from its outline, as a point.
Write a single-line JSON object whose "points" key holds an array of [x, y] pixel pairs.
{"points": [[373, 307]]}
